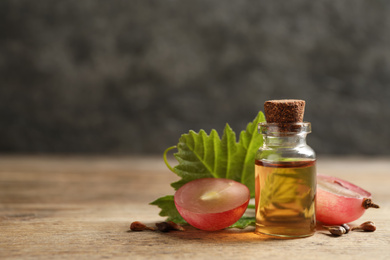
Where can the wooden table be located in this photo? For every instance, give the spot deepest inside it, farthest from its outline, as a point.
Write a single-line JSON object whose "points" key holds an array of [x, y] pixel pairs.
{"points": [[81, 207]]}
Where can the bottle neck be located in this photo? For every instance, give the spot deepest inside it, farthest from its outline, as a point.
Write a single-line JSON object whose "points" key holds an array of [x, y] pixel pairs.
{"points": [[290, 140], [283, 142], [282, 129]]}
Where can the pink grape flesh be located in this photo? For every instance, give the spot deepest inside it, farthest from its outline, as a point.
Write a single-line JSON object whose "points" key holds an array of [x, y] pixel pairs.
{"points": [[338, 201], [212, 203]]}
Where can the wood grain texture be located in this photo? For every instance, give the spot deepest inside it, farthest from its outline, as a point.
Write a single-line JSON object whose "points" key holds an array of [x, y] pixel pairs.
{"points": [[81, 208]]}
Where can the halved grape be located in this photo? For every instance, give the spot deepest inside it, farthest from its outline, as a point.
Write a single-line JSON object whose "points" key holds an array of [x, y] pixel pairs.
{"points": [[339, 201], [212, 203]]}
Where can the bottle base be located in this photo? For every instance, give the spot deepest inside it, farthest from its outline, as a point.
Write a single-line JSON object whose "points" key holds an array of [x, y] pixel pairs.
{"points": [[283, 233]]}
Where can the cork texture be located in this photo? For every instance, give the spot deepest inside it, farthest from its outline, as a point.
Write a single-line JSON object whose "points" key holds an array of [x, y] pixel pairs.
{"points": [[284, 111]]}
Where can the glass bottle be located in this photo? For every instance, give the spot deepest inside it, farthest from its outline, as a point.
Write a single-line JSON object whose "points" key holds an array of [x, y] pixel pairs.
{"points": [[285, 181]]}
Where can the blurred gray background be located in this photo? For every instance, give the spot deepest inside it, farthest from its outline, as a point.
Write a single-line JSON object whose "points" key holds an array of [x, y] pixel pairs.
{"points": [[129, 77]]}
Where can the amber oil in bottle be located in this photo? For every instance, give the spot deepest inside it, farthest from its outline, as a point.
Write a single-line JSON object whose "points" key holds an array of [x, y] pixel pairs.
{"points": [[286, 205]]}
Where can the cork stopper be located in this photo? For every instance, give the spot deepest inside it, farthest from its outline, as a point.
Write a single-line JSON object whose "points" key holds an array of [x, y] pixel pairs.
{"points": [[284, 111]]}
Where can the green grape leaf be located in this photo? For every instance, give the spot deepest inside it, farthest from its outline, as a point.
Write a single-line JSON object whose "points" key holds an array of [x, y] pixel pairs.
{"points": [[168, 208], [249, 142], [244, 222], [208, 156], [197, 156]]}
